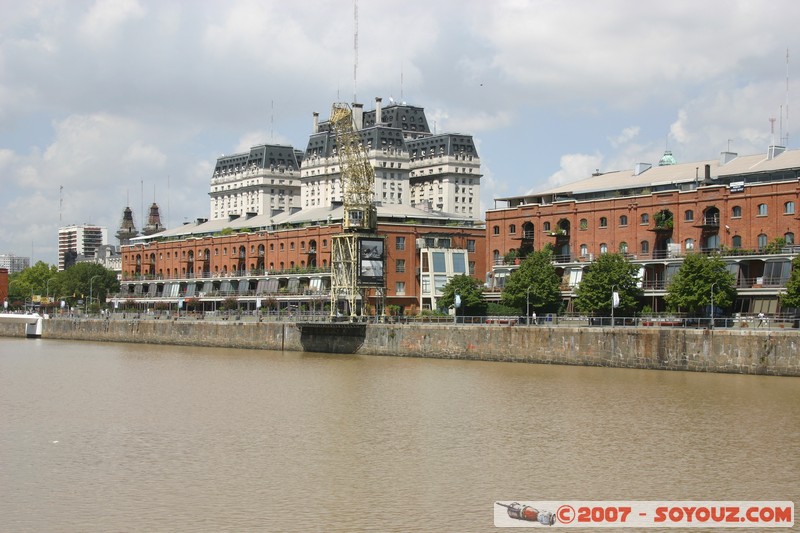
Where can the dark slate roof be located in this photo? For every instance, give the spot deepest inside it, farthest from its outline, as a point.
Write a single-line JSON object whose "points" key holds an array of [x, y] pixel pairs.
{"points": [[263, 156], [410, 119], [448, 144], [402, 126], [321, 144]]}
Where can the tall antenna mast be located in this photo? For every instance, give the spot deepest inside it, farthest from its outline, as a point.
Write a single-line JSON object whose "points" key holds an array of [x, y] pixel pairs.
{"points": [[786, 144], [772, 129], [401, 82], [355, 49]]}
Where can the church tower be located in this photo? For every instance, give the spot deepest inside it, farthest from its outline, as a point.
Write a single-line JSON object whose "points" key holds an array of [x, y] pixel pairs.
{"points": [[153, 221], [127, 229]]}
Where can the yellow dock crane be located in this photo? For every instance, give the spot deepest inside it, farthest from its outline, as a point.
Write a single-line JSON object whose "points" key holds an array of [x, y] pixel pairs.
{"points": [[358, 253]]}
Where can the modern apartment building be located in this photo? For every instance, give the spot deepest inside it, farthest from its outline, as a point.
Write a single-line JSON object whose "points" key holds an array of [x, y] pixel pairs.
{"points": [[79, 240], [14, 263]]}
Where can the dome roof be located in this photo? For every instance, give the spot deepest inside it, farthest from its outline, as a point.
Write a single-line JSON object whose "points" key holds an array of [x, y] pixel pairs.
{"points": [[667, 159]]}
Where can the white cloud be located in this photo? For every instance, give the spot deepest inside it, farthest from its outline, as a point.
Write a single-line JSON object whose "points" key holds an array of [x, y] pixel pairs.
{"points": [[106, 17], [142, 155], [575, 167], [6, 159], [625, 136], [473, 123], [255, 138]]}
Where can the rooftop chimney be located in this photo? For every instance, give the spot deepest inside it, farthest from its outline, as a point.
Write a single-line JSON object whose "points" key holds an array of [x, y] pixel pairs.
{"points": [[378, 117], [774, 151], [641, 167], [358, 116], [726, 157], [315, 129]]}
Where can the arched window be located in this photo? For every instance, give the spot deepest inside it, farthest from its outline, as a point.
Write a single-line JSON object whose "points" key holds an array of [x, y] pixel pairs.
{"points": [[788, 208], [623, 220], [689, 244], [736, 212], [496, 230], [272, 247], [736, 242], [583, 224], [584, 250], [603, 222], [282, 247], [496, 257], [603, 248], [512, 229], [546, 226], [645, 218], [623, 247], [788, 237], [644, 246], [688, 215], [762, 241], [762, 210]]}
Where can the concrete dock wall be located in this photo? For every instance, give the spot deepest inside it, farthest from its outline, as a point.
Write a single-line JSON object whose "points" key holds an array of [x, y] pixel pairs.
{"points": [[773, 352]]}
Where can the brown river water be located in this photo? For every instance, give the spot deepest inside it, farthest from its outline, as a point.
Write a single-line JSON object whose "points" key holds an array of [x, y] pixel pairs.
{"points": [[124, 437]]}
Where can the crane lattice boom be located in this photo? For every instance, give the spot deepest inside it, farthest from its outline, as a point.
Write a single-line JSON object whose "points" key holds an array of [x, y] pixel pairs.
{"points": [[357, 174]]}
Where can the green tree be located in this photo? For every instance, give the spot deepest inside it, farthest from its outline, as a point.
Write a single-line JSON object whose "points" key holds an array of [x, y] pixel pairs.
{"points": [[791, 298], [608, 273], [535, 282], [690, 288], [471, 292], [84, 279], [39, 279]]}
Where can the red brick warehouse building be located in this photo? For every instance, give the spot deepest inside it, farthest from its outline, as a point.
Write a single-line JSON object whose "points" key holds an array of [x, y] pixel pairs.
{"points": [[247, 258], [744, 207]]}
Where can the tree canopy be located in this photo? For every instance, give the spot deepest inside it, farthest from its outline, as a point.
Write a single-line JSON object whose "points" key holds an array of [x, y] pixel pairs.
{"points": [[88, 279], [608, 273], [690, 289], [471, 292], [534, 283], [76, 282], [791, 298], [39, 279]]}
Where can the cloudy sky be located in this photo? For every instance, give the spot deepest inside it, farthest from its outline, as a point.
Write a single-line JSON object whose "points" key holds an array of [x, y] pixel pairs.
{"points": [[130, 101]]}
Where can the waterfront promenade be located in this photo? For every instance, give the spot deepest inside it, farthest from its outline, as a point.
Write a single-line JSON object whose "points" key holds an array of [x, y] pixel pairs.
{"points": [[744, 350]]}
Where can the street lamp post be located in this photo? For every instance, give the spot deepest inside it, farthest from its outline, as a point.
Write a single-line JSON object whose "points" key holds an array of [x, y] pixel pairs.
{"points": [[91, 281], [613, 335], [613, 292], [528, 305], [711, 325]]}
